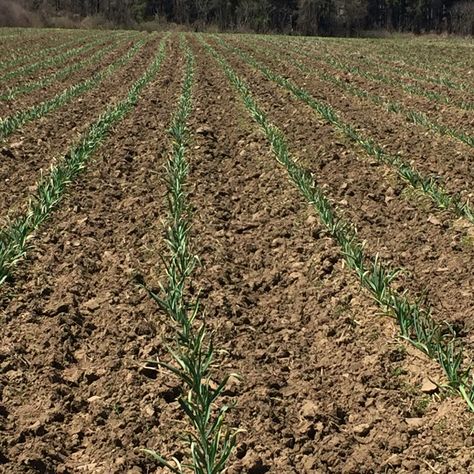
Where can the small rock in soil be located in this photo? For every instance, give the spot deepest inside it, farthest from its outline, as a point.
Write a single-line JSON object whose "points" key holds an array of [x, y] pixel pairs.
{"points": [[394, 460], [91, 305], [428, 386], [433, 220], [232, 386], [253, 464], [310, 409], [414, 422], [362, 430]]}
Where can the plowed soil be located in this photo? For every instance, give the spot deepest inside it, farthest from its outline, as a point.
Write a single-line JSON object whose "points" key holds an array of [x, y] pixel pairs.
{"points": [[26, 100], [34, 42], [87, 312], [394, 227], [326, 384], [375, 59], [388, 91], [43, 70], [429, 152], [42, 142]]}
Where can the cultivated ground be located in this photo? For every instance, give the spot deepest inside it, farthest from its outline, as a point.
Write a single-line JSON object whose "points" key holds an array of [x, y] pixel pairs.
{"points": [[312, 169]]}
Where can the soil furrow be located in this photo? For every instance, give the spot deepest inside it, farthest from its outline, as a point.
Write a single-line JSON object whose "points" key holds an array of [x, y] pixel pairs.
{"points": [[379, 59], [36, 145], [25, 101], [426, 58], [318, 365], [428, 244], [78, 328], [36, 41], [435, 110], [398, 84], [42, 68], [429, 153]]}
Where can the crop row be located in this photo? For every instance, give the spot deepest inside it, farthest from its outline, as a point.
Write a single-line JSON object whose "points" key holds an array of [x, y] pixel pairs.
{"points": [[379, 63], [191, 349], [41, 51], [383, 78], [428, 58], [416, 324], [14, 122], [13, 45], [413, 116], [428, 185], [209, 441], [53, 60], [50, 190], [60, 74]]}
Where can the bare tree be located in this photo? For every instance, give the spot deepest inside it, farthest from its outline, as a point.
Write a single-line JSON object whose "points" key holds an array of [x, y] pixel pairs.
{"points": [[462, 18], [315, 16]]}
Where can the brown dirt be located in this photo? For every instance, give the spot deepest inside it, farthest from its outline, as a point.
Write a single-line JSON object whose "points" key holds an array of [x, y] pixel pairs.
{"points": [[46, 40], [350, 58], [327, 387], [454, 116], [433, 59], [39, 143], [25, 101], [75, 335], [398, 71], [46, 71], [391, 223], [70, 41], [430, 153], [285, 310]]}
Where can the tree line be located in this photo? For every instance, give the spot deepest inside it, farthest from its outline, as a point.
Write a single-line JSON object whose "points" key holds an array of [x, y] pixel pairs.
{"points": [[307, 17]]}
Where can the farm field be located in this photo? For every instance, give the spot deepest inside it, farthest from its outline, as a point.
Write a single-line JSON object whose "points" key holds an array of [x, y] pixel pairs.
{"points": [[306, 204]]}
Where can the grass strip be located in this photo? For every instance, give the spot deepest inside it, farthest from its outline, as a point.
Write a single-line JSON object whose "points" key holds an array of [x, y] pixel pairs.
{"points": [[427, 184], [59, 75], [14, 122], [412, 116], [50, 189], [52, 61], [416, 324], [209, 441]]}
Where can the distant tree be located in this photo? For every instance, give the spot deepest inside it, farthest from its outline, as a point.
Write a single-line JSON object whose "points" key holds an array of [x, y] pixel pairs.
{"points": [[315, 16], [138, 10], [182, 11], [223, 13], [254, 14], [462, 18], [202, 10], [351, 15], [309, 17], [283, 15]]}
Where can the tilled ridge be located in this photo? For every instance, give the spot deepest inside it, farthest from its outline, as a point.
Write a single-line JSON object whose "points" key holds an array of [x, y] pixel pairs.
{"points": [[319, 390], [43, 142], [75, 338], [43, 66], [406, 232], [21, 99], [430, 153]]}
